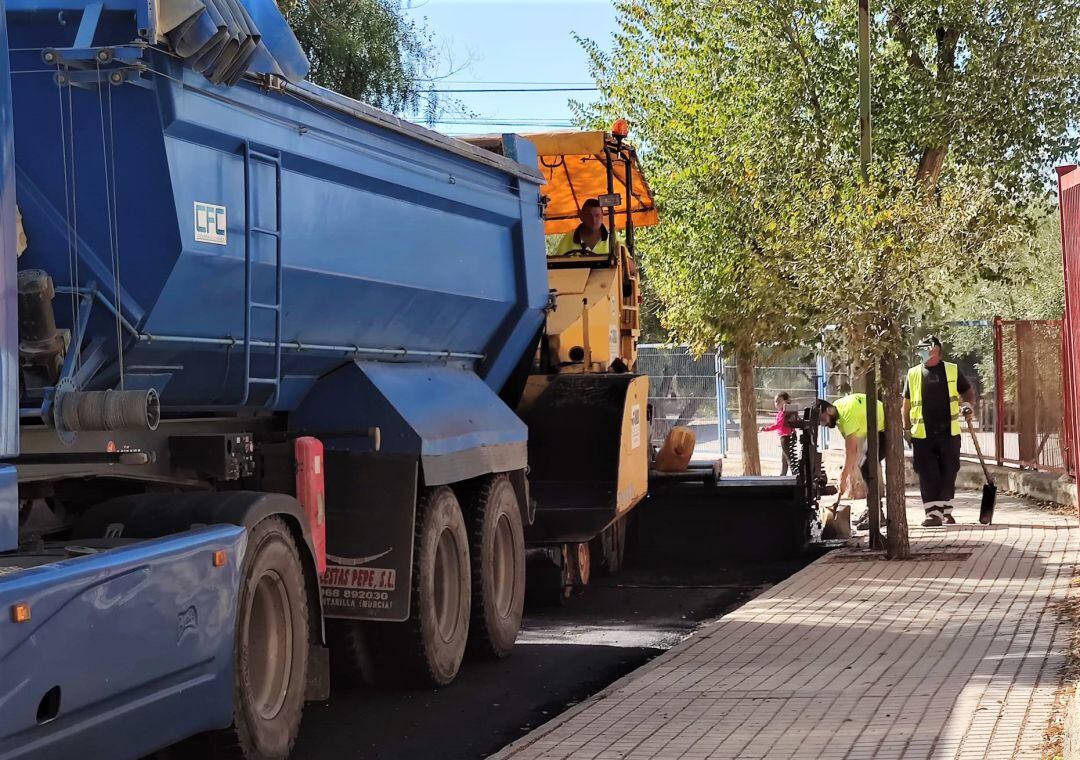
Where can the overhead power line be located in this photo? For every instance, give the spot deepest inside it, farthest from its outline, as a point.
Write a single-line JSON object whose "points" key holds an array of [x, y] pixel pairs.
{"points": [[517, 83], [521, 89]]}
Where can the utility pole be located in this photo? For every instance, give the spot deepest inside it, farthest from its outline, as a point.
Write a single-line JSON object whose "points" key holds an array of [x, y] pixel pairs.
{"points": [[873, 501]]}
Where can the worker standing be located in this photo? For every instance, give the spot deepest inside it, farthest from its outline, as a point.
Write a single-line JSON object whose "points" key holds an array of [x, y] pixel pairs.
{"points": [[848, 415], [936, 393]]}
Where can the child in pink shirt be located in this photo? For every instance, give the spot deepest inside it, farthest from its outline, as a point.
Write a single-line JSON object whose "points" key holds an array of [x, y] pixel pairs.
{"points": [[787, 435]]}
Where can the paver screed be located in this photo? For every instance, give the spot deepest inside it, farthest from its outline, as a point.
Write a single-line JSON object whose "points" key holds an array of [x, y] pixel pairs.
{"points": [[958, 653]]}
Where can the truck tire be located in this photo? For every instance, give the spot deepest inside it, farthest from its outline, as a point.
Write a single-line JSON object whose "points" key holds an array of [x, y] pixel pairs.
{"points": [[550, 577], [582, 566], [497, 549], [437, 630], [354, 653], [270, 671]]}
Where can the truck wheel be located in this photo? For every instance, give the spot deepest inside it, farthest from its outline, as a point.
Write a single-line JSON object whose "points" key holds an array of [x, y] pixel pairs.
{"points": [[549, 577], [270, 672], [582, 566], [497, 549], [438, 627], [353, 653]]}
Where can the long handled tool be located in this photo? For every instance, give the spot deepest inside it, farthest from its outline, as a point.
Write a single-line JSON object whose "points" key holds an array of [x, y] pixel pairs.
{"points": [[989, 493]]}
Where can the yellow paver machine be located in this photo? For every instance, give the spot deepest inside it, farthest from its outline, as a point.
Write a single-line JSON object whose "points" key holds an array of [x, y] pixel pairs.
{"points": [[585, 407]]}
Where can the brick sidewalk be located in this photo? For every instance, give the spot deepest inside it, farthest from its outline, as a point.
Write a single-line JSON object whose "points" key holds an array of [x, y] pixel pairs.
{"points": [[957, 654]]}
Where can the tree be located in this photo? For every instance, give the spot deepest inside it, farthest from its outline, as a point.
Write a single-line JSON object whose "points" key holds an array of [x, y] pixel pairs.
{"points": [[714, 289], [708, 264], [896, 257], [1032, 287], [972, 101], [367, 50]]}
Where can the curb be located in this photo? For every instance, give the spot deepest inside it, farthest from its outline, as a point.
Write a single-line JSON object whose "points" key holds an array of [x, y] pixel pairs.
{"points": [[1040, 486]]}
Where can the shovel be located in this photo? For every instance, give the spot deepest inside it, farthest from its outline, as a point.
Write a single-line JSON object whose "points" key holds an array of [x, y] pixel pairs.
{"points": [[989, 493], [836, 522]]}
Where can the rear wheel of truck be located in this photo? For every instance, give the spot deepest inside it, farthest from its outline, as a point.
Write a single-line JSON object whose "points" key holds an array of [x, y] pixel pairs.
{"points": [[438, 626], [355, 653], [497, 549], [270, 671]]}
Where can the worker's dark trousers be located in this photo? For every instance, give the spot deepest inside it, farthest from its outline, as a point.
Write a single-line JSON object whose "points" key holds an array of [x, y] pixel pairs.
{"points": [[937, 461]]}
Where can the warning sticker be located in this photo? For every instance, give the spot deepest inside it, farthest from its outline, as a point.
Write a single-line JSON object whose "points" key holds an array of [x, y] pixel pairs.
{"points": [[635, 427]]}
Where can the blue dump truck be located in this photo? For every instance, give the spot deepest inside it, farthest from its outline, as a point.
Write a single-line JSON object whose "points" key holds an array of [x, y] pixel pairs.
{"points": [[261, 350]]}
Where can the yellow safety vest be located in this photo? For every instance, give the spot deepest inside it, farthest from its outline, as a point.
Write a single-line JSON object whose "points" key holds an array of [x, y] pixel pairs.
{"points": [[918, 424], [851, 415], [570, 243]]}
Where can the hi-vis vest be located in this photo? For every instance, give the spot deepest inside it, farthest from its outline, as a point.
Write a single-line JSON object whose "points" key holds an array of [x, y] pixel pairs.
{"points": [[851, 415], [918, 424]]}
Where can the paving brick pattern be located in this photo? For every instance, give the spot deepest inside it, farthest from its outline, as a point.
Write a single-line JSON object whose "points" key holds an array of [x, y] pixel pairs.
{"points": [[957, 656]]}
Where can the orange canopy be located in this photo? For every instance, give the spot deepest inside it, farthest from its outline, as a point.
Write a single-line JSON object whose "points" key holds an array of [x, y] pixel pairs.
{"points": [[574, 165]]}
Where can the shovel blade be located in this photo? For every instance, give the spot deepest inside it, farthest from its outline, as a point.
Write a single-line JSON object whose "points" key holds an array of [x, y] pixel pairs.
{"points": [[986, 509]]}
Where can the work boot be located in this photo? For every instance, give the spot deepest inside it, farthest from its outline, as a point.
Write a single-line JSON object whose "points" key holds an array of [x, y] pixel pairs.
{"points": [[932, 521], [948, 519]]}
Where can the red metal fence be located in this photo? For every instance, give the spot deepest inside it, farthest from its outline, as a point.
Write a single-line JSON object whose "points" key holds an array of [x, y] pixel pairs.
{"points": [[1029, 402], [1069, 204]]}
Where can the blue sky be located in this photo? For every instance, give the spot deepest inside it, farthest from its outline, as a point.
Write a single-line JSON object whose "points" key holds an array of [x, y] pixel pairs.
{"points": [[514, 44]]}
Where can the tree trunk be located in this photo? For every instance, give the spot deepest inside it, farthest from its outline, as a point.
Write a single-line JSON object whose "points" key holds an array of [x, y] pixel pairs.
{"points": [[896, 504], [751, 457], [930, 166]]}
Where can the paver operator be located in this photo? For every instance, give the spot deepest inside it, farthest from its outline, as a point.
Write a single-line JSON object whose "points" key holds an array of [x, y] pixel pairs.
{"points": [[591, 236], [936, 393], [848, 415]]}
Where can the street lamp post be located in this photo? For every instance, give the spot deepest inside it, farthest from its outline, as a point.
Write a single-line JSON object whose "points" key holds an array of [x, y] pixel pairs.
{"points": [[873, 501]]}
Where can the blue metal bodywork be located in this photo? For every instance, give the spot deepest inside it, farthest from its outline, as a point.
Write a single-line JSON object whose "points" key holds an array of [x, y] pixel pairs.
{"points": [[9, 339], [410, 401], [133, 637], [394, 243], [241, 241]]}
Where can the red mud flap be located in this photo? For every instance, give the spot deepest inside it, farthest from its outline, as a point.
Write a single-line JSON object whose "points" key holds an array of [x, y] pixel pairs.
{"points": [[311, 493]]}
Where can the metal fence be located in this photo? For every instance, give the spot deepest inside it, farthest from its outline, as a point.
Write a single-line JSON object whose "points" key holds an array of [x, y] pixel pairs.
{"points": [[683, 391], [1029, 401], [800, 374], [1015, 366], [1069, 205], [702, 393]]}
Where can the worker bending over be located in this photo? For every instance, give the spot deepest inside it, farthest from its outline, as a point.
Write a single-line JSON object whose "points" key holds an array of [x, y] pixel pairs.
{"points": [[591, 236], [936, 393], [848, 415]]}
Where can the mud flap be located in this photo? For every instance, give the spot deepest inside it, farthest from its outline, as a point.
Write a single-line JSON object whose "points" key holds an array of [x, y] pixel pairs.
{"points": [[370, 512], [588, 452]]}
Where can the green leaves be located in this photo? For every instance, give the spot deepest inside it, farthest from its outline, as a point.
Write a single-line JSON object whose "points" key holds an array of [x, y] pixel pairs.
{"points": [[746, 111], [365, 49]]}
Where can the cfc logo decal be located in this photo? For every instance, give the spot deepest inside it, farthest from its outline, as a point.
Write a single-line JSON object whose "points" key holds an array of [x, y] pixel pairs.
{"points": [[210, 223]]}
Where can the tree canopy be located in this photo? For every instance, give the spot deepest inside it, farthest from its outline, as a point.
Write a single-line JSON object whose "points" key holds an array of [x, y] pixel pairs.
{"points": [[745, 107], [747, 111], [368, 50]]}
